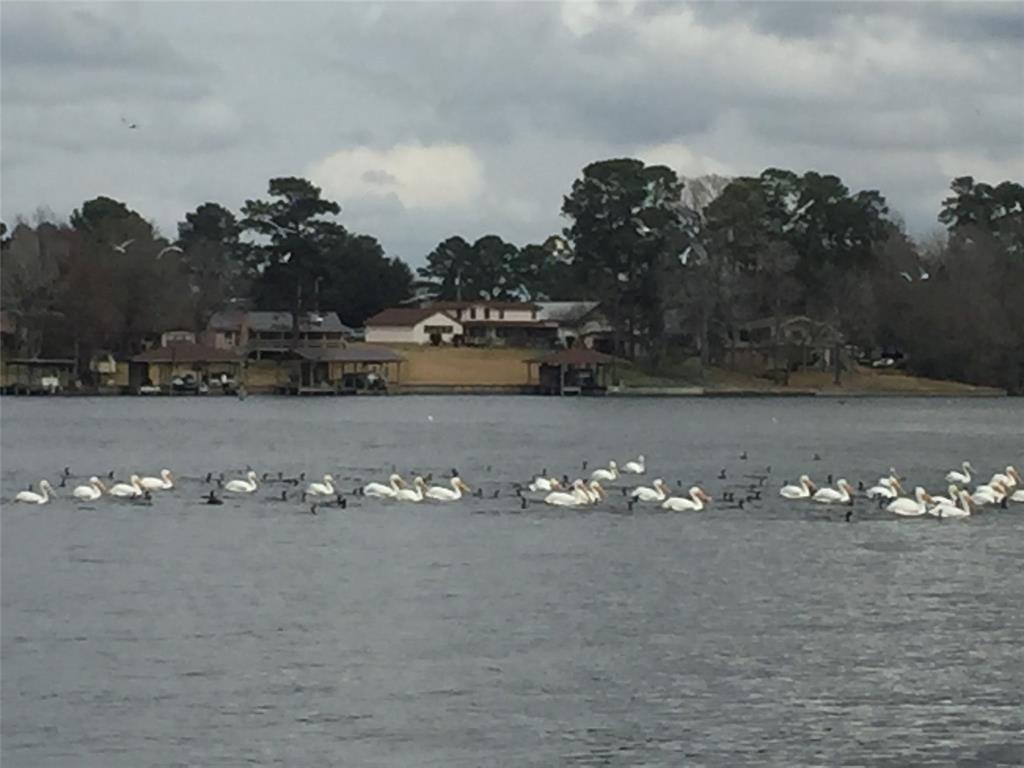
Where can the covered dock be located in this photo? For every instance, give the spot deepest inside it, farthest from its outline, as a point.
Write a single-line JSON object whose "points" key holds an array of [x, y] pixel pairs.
{"points": [[576, 371], [350, 370], [38, 375], [198, 363]]}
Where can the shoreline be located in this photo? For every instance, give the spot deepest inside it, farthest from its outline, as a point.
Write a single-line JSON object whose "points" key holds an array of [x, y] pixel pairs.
{"points": [[509, 390]]}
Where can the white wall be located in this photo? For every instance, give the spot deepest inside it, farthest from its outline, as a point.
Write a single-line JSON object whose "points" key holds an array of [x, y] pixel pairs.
{"points": [[510, 315], [417, 334], [391, 334]]}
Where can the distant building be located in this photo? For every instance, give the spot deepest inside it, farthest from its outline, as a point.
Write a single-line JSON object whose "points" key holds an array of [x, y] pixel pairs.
{"points": [[413, 325], [270, 334], [177, 337], [499, 323], [578, 323], [160, 366], [485, 323]]}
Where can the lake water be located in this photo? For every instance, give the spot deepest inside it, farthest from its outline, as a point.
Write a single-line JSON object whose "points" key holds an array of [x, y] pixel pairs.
{"points": [[480, 633]]}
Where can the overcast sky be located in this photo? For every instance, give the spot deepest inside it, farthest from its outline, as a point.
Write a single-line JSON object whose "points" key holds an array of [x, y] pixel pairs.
{"points": [[428, 119]]}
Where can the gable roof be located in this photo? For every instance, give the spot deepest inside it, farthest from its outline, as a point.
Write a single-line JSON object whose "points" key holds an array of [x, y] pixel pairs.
{"points": [[524, 306], [575, 356], [566, 311], [226, 320], [232, 320], [186, 352], [405, 317], [363, 353]]}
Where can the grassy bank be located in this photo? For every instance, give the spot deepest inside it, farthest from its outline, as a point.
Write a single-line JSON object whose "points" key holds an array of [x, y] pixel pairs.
{"points": [[471, 367], [861, 381]]}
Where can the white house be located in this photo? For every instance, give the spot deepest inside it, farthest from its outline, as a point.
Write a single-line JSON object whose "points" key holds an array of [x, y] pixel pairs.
{"points": [[408, 325], [498, 323]]}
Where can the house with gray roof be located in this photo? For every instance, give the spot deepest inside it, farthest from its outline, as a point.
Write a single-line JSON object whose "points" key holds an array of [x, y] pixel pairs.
{"points": [[579, 324], [262, 334]]}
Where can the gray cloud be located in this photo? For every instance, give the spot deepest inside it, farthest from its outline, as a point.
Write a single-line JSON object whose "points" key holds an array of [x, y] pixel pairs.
{"points": [[378, 176], [894, 96]]}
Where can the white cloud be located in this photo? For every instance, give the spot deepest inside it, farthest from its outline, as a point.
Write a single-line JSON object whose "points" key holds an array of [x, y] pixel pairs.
{"points": [[683, 160], [981, 166], [420, 177]]}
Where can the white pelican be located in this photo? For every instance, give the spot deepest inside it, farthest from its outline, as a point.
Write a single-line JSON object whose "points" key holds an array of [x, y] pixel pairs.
{"points": [[1018, 496], [578, 497], [893, 474], [608, 475], [129, 490], [914, 507], [993, 493], [248, 485], [951, 500], [887, 488], [802, 490], [412, 494], [841, 494], [635, 467], [440, 493], [31, 497], [657, 492], [546, 484], [682, 504], [382, 491], [963, 478], [1009, 478], [326, 488], [942, 509], [594, 491], [162, 483], [90, 492]]}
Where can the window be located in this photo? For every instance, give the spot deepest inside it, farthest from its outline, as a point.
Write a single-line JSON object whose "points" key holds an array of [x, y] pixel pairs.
{"points": [[501, 314], [487, 313], [442, 329], [472, 313]]}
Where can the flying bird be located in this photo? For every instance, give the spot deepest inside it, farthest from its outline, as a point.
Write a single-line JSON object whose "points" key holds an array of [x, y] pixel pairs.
{"points": [[122, 248], [131, 125], [168, 249]]}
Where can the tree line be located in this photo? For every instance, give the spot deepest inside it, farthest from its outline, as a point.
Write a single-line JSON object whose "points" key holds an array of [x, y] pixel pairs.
{"points": [[676, 264]]}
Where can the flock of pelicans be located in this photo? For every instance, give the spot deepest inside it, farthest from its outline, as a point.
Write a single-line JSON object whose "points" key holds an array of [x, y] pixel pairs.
{"points": [[889, 491], [961, 500]]}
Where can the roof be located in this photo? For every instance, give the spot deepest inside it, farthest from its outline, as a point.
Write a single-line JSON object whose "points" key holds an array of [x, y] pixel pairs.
{"points": [[30, 361], [575, 356], [226, 320], [187, 353], [232, 320], [352, 354], [523, 306], [405, 316], [496, 323], [566, 311]]}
